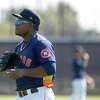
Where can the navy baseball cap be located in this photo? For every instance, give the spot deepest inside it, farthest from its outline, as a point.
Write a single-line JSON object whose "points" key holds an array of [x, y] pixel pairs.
{"points": [[28, 15]]}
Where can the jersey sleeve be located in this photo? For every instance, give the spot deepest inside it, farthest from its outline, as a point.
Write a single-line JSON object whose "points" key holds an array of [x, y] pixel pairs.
{"points": [[46, 56], [45, 52]]}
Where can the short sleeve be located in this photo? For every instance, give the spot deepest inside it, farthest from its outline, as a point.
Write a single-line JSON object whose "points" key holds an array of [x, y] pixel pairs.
{"points": [[45, 52]]}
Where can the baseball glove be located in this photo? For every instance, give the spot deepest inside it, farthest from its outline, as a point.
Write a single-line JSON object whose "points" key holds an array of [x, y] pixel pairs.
{"points": [[9, 60], [90, 83]]}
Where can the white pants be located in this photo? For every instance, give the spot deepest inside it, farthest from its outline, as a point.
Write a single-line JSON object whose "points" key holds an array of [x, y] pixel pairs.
{"points": [[43, 93], [79, 89]]}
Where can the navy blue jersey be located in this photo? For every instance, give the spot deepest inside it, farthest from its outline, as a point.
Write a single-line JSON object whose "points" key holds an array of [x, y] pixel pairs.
{"points": [[78, 68], [37, 52]]}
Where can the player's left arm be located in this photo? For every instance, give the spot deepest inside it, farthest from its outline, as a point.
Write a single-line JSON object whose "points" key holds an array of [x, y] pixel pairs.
{"points": [[86, 58], [32, 72], [39, 71]]}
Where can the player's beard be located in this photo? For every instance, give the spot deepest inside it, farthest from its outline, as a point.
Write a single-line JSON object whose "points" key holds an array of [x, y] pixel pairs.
{"points": [[21, 33], [26, 36]]}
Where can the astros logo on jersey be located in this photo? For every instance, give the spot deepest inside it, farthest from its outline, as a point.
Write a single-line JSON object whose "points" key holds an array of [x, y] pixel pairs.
{"points": [[45, 53]]}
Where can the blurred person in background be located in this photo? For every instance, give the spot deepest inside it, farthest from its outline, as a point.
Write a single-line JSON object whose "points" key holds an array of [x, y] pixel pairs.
{"points": [[80, 76], [35, 75]]}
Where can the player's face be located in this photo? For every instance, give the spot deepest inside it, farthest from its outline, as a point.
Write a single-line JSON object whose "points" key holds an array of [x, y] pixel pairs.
{"points": [[21, 27], [78, 55]]}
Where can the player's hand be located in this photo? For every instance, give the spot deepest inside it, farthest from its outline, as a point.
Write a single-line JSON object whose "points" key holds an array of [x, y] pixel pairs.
{"points": [[86, 56], [14, 73]]}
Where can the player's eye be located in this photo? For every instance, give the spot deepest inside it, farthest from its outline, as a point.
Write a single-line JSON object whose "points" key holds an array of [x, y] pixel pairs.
{"points": [[20, 22]]}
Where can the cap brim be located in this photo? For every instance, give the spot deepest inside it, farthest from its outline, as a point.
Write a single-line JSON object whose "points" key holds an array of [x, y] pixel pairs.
{"points": [[21, 17], [18, 16]]}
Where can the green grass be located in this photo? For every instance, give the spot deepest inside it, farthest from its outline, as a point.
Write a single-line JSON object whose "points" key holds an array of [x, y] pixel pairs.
{"points": [[57, 98], [7, 97], [88, 98]]}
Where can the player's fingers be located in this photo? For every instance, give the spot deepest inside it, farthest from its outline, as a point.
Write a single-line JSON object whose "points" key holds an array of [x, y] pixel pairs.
{"points": [[7, 73], [12, 70]]}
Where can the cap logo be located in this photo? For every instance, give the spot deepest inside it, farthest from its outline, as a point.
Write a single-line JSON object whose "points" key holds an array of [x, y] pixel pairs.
{"points": [[30, 18]]}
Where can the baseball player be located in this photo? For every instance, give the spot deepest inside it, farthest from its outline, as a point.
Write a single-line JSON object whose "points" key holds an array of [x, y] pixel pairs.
{"points": [[80, 77], [35, 75]]}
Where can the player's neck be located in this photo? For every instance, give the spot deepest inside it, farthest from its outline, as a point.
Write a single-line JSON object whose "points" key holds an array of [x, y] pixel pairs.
{"points": [[28, 36]]}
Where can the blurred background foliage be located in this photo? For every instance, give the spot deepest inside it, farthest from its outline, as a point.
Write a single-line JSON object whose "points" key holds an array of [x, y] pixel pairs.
{"points": [[56, 22]]}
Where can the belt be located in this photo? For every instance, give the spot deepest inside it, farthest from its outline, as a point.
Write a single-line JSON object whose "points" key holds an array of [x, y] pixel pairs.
{"points": [[26, 92]]}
